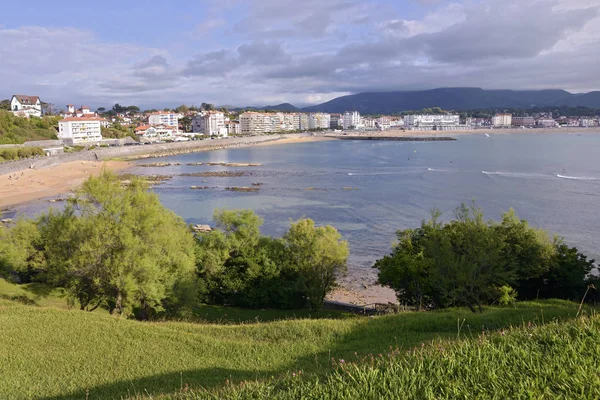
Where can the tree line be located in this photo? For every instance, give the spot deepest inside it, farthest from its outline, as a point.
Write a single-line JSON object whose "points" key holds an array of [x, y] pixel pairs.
{"points": [[473, 262], [115, 246]]}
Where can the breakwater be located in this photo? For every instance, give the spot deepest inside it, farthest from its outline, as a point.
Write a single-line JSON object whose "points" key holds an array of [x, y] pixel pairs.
{"points": [[398, 138]]}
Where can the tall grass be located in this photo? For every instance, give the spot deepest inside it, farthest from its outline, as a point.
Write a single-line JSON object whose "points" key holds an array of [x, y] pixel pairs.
{"points": [[556, 361], [53, 353]]}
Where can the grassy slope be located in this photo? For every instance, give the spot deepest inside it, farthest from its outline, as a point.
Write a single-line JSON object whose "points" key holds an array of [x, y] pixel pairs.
{"points": [[14, 130], [555, 361], [53, 353]]}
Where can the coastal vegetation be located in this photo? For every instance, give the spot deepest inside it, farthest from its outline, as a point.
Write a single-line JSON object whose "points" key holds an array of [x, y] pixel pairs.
{"points": [[17, 130], [77, 281], [471, 262], [16, 153]]}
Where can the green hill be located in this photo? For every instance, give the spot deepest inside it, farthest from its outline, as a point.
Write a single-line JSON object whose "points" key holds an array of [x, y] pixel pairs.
{"points": [[55, 353], [17, 130]]}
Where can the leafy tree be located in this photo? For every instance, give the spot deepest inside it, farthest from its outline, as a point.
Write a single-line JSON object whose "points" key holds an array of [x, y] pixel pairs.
{"points": [[567, 277], [5, 105], [207, 107], [118, 246], [320, 256], [117, 108]]}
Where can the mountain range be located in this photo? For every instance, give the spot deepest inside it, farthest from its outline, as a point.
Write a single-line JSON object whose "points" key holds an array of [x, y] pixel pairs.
{"points": [[448, 99]]}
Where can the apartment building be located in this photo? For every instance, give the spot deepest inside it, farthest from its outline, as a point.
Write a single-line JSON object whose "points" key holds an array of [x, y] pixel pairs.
{"points": [[432, 122], [80, 130], [164, 118], [502, 120], [232, 127], [351, 120], [319, 121], [523, 121], [211, 123], [254, 123]]}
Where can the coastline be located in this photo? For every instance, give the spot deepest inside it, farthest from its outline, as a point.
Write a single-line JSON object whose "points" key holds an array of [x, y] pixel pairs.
{"points": [[57, 178], [35, 184]]}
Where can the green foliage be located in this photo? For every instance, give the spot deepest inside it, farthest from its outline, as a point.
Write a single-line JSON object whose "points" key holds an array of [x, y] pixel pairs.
{"points": [[17, 130], [507, 295], [5, 105], [42, 350], [238, 266], [16, 153], [464, 261], [111, 246]]}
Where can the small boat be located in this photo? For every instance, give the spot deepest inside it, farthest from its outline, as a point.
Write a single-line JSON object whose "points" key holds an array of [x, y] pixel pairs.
{"points": [[487, 135]]}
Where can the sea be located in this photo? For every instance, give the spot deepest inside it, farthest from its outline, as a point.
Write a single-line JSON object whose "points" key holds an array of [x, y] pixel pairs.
{"points": [[369, 190]]}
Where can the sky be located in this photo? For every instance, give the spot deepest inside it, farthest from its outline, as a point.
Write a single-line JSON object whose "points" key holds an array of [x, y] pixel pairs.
{"points": [[163, 53]]}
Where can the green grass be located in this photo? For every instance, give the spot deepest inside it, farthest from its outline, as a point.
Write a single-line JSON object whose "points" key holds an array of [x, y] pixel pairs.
{"points": [[555, 361], [55, 354]]}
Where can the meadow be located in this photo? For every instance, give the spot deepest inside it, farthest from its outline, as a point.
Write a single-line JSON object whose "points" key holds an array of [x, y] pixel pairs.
{"points": [[48, 352]]}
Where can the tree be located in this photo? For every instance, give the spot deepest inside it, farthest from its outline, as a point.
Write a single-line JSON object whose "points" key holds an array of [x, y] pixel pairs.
{"points": [[118, 246], [207, 107], [232, 260], [100, 110], [182, 109], [5, 105], [407, 270], [320, 256], [117, 108]]}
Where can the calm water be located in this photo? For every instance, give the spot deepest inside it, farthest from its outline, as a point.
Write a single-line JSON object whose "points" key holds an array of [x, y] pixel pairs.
{"points": [[552, 180]]}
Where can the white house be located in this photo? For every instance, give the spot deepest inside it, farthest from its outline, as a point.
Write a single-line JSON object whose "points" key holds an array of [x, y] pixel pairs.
{"points": [[233, 128], [80, 130], [351, 120], [26, 105], [164, 118]]}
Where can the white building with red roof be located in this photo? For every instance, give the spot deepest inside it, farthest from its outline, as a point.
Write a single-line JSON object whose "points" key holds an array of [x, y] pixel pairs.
{"points": [[26, 106]]}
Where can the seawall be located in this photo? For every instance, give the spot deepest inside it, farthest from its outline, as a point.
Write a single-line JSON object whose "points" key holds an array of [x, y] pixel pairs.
{"points": [[140, 151]]}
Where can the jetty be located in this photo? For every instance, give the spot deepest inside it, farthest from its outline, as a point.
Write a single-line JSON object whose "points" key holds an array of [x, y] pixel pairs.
{"points": [[395, 138]]}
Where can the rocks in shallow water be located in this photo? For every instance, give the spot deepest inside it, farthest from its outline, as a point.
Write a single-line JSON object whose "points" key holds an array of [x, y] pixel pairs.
{"points": [[224, 164], [158, 164], [199, 187], [201, 228], [257, 184], [216, 174], [242, 189]]}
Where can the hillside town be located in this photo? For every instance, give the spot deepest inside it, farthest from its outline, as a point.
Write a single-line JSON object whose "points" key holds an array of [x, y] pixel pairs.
{"points": [[82, 126]]}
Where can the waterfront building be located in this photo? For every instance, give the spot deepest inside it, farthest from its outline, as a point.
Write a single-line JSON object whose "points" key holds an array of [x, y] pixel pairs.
{"points": [[319, 121], [254, 123], [211, 123], [291, 121], [502, 120], [546, 122], [80, 130], [523, 121], [352, 120], [336, 121], [154, 133], [164, 118], [303, 121], [26, 106], [232, 127], [441, 122]]}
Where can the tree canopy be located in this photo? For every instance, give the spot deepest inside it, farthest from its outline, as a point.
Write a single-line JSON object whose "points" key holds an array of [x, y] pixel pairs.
{"points": [[469, 261]]}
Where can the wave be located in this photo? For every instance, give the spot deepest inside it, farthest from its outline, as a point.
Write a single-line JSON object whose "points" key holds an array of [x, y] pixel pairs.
{"points": [[439, 170], [513, 174], [577, 178]]}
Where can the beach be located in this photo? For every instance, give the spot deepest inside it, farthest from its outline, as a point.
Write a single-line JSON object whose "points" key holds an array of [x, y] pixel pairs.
{"points": [[35, 184]]}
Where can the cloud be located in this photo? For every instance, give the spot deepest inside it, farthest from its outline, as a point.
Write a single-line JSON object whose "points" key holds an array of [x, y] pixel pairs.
{"points": [[267, 51]]}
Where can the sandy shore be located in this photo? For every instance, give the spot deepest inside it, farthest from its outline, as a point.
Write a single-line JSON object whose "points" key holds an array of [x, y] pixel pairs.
{"points": [[33, 184]]}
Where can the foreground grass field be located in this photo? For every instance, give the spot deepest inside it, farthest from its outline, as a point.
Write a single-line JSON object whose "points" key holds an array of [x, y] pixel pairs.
{"points": [[555, 361], [51, 353]]}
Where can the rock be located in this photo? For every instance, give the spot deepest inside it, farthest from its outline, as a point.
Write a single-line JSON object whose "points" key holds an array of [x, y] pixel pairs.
{"points": [[6, 220]]}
